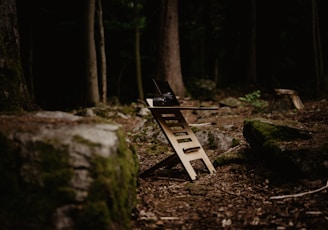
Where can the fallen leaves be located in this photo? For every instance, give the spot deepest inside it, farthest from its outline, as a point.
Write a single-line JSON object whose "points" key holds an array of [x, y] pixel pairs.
{"points": [[237, 196]]}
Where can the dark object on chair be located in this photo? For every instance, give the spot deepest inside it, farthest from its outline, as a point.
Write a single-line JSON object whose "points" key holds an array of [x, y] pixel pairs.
{"points": [[167, 96]]}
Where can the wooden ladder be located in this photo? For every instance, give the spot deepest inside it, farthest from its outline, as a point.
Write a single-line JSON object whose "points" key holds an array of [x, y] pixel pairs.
{"points": [[182, 139]]}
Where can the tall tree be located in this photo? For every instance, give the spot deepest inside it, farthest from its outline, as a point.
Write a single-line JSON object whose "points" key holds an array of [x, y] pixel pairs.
{"points": [[137, 5], [251, 65], [100, 41], [318, 61], [13, 89], [169, 67], [91, 76]]}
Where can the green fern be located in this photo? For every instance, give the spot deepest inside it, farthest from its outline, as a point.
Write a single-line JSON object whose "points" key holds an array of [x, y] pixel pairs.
{"points": [[254, 99]]}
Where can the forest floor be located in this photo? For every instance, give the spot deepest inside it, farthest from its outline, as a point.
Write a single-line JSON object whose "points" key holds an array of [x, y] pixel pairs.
{"points": [[238, 195]]}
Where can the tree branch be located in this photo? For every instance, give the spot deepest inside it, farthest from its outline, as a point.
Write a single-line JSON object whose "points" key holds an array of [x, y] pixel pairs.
{"points": [[299, 194]]}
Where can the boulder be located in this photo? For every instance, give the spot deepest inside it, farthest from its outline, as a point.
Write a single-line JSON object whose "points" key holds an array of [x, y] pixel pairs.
{"points": [[230, 102], [60, 171], [213, 139], [202, 89], [286, 147]]}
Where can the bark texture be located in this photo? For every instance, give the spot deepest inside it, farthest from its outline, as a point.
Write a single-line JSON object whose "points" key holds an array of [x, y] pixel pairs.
{"points": [[91, 75], [102, 65], [169, 67], [13, 89]]}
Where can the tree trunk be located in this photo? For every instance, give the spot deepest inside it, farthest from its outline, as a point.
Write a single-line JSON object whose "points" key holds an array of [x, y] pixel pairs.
{"points": [[251, 67], [102, 65], [137, 52], [92, 91], [317, 56], [13, 89], [169, 67]]}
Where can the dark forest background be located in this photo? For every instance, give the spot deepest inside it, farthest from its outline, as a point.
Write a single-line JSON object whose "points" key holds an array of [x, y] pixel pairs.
{"points": [[213, 44]]}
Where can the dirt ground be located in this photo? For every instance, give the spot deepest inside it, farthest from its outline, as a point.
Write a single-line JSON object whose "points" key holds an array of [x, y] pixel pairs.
{"points": [[237, 196]]}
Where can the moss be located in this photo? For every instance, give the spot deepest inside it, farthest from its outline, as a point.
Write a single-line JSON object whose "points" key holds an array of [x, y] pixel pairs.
{"points": [[272, 144], [128, 110], [268, 134], [195, 129], [112, 194], [56, 172], [34, 184], [156, 148], [30, 196], [94, 215], [235, 142], [108, 112], [229, 158], [270, 131], [211, 141]]}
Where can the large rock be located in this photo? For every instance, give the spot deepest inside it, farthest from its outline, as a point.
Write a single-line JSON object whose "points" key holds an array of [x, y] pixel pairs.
{"points": [[214, 139], [60, 171], [287, 148], [202, 89]]}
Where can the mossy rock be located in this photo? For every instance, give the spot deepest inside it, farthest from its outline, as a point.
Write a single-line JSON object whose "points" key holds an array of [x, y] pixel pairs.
{"points": [[266, 131], [285, 147], [62, 174], [32, 192]]}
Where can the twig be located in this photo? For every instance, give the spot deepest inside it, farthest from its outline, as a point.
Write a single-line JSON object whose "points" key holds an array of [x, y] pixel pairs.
{"points": [[233, 148], [200, 124], [170, 178], [169, 218], [230, 193], [300, 194]]}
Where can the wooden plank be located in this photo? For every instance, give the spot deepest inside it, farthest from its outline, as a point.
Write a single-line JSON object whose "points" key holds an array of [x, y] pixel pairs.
{"points": [[151, 106], [185, 107]]}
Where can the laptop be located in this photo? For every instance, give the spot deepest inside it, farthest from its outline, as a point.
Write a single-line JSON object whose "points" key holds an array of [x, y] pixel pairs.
{"points": [[167, 96]]}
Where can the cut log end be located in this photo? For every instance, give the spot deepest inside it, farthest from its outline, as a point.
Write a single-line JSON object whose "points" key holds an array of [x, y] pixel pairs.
{"points": [[297, 102]]}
